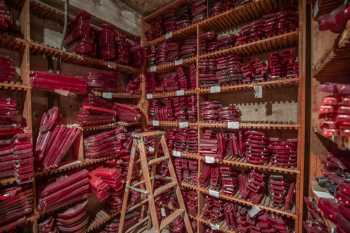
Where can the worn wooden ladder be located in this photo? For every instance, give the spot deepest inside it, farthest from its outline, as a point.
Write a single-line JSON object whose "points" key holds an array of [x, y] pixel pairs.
{"points": [[149, 175]]}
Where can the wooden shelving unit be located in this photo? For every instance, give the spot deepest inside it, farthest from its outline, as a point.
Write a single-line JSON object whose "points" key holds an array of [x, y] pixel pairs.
{"points": [[329, 64], [25, 46], [233, 19]]}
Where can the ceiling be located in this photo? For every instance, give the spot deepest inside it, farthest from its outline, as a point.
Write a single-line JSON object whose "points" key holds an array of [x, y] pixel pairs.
{"points": [[145, 7]]}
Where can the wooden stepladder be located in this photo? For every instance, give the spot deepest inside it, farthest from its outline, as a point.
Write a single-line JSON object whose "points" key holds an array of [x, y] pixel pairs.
{"points": [[145, 186]]}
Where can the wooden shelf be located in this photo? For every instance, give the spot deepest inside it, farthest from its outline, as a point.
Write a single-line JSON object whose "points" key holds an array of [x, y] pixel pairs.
{"points": [[284, 82], [54, 10], [118, 95], [108, 126], [170, 124], [264, 206], [172, 5], [242, 163], [170, 65], [334, 65], [73, 166], [8, 181], [103, 220], [173, 94], [37, 48], [231, 18], [222, 227], [252, 125], [14, 86], [12, 42], [187, 155], [261, 46], [267, 84], [342, 142]]}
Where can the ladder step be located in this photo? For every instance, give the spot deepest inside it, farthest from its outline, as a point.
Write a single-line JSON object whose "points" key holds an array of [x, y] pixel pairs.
{"points": [[148, 134], [157, 160], [137, 189], [165, 222], [164, 188], [143, 221], [137, 205]]}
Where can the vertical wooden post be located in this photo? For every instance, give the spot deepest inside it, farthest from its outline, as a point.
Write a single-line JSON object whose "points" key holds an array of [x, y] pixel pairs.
{"points": [[302, 117], [199, 194]]}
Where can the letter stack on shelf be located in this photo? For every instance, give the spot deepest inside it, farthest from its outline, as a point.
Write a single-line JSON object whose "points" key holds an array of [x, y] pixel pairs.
{"points": [[64, 191], [54, 82], [16, 203], [112, 143], [54, 140]]}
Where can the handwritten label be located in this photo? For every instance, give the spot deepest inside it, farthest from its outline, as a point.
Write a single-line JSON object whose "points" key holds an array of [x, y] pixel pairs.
{"points": [[151, 149], [233, 125], [62, 92], [183, 124], [107, 95], [209, 159], [215, 89], [214, 193], [214, 227], [162, 212], [168, 35], [153, 69], [179, 62], [110, 65], [258, 92], [180, 92], [177, 154], [149, 96], [253, 211], [155, 123], [321, 194]]}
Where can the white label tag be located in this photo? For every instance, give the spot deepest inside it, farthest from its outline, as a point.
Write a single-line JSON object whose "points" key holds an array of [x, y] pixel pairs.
{"points": [[177, 154], [179, 62], [233, 125], [162, 212], [321, 194], [107, 95], [180, 92], [214, 227], [62, 92], [209, 159], [153, 69], [215, 89], [149, 96], [155, 123], [258, 92], [110, 65], [183, 124], [151, 149], [214, 193], [168, 35], [253, 211]]}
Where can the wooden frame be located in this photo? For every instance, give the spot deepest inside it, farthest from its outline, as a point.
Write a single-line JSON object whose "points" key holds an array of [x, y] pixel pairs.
{"points": [[228, 19]]}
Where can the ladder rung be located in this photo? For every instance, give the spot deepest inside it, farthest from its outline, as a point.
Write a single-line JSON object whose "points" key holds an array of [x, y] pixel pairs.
{"points": [[137, 189], [165, 222], [158, 177], [148, 134], [157, 160], [137, 225], [137, 205], [164, 188]]}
